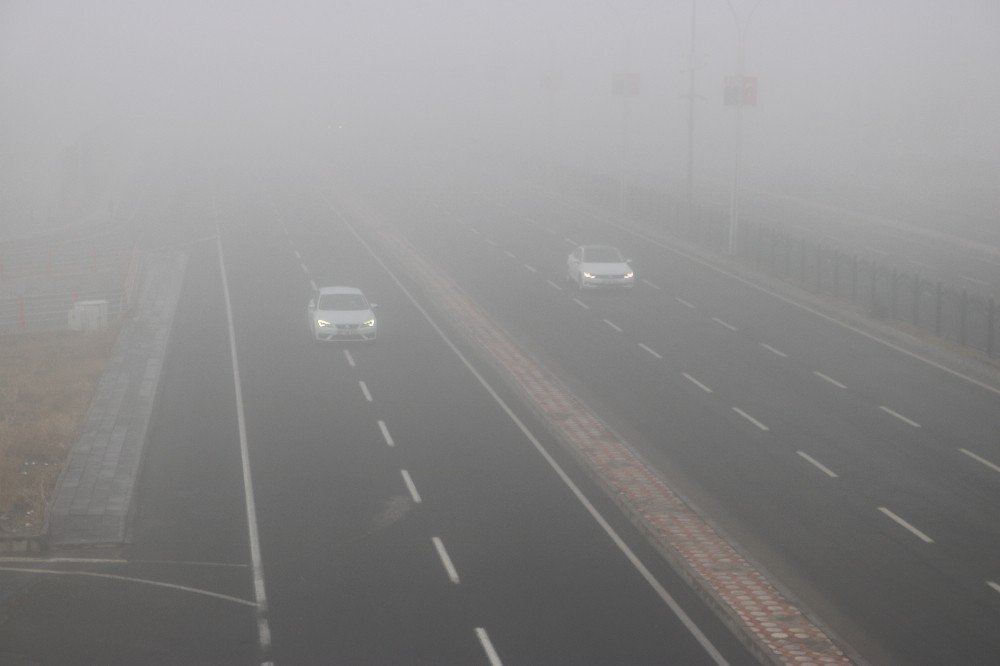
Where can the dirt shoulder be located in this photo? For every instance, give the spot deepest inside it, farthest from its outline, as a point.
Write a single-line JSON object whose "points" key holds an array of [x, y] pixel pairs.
{"points": [[47, 381]]}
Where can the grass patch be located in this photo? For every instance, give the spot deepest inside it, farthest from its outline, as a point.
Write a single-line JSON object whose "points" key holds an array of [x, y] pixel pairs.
{"points": [[46, 383]]}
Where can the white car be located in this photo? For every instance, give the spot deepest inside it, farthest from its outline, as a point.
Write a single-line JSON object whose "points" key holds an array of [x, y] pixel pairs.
{"points": [[592, 266], [342, 313]]}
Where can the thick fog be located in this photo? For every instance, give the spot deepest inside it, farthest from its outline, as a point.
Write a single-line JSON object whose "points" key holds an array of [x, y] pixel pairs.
{"points": [[889, 99]]}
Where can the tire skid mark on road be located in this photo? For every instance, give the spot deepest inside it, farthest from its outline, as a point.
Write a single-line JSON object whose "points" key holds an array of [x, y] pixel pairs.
{"points": [[772, 625]]}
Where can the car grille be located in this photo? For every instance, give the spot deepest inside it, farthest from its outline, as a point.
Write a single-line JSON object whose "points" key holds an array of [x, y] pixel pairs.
{"points": [[346, 327]]}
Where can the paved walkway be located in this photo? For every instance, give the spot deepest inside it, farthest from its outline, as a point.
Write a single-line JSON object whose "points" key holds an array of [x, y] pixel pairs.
{"points": [[93, 499]]}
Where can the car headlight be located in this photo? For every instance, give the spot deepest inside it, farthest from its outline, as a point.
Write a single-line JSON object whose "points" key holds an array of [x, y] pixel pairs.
{"points": [[589, 276], [322, 323], [369, 323], [630, 275]]}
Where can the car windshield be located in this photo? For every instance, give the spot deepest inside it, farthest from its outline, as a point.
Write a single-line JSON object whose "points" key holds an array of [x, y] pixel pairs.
{"points": [[342, 302], [602, 254]]}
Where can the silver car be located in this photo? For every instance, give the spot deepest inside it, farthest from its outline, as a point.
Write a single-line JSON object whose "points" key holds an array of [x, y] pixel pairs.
{"points": [[592, 266], [341, 314]]}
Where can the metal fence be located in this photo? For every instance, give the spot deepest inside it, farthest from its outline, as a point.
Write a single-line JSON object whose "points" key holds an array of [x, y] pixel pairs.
{"points": [[43, 277], [882, 291]]}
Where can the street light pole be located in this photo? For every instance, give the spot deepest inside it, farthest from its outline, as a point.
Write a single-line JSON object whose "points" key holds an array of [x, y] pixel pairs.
{"points": [[741, 32]]}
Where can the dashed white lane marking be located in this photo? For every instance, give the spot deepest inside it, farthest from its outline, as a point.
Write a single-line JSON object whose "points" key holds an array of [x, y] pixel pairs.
{"points": [[350, 359], [727, 325], [899, 416], [312, 283], [491, 654], [550, 230], [571, 241], [921, 264], [750, 419], [411, 487], [298, 255], [474, 230], [445, 560], [531, 268], [829, 379], [385, 433], [994, 467], [875, 250], [581, 304], [649, 350], [529, 220], [554, 285], [364, 389], [612, 325], [510, 254], [696, 382], [774, 350], [130, 579], [995, 586], [683, 302], [818, 465], [645, 281], [982, 283], [305, 269], [491, 242], [923, 537]]}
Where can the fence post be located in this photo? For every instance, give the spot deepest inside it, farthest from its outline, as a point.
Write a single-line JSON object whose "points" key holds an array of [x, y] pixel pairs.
{"points": [[991, 315], [937, 310], [892, 293], [819, 267], [836, 273], [962, 317], [854, 277]]}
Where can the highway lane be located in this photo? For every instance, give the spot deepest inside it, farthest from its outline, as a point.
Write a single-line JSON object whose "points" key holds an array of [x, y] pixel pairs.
{"points": [[403, 516], [896, 431]]}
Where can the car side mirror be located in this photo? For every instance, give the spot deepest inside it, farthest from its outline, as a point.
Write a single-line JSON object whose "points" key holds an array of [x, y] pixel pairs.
{"points": [[312, 303], [374, 306]]}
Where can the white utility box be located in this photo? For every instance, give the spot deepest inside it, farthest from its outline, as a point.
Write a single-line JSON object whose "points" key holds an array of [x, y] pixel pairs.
{"points": [[88, 316]]}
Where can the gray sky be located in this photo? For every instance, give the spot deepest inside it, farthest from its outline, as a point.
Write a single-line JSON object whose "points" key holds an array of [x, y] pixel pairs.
{"points": [[847, 88]]}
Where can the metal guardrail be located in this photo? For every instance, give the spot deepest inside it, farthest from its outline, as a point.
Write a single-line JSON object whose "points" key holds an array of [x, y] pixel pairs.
{"points": [[884, 292]]}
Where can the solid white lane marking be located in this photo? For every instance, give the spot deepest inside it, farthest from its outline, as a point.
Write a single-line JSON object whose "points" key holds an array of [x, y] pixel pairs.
{"points": [[654, 286], [773, 350], [994, 467], [696, 382], [385, 433], [69, 560], [973, 280], [995, 586], [350, 359], [650, 350], [647, 575], [923, 537], [571, 241], [410, 486], [130, 579], [719, 321], [510, 254], [820, 466], [260, 594], [364, 389], [554, 285], [612, 325], [531, 268], [491, 654], [445, 560], [899, 416], [683, 302], [829, 379], [750, 419], [581, 304]]}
